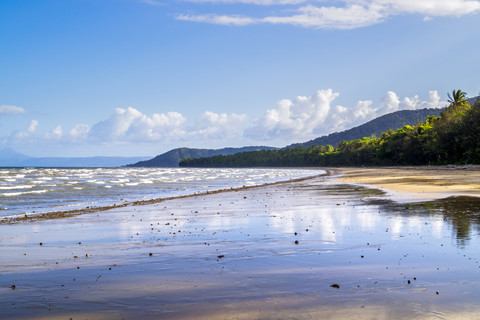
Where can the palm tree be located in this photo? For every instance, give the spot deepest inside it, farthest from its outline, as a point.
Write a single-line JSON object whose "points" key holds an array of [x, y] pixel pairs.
{"points": [[458, 98]]}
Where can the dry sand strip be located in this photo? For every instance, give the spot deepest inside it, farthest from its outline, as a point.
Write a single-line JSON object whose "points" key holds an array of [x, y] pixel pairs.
{"points": [[417, 183]]}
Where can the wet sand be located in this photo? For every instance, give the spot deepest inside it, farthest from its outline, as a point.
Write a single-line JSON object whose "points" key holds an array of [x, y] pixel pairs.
{"points": [[317, 249]]}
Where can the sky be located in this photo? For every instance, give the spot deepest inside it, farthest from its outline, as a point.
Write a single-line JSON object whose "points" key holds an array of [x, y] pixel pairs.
{"points": [[141, 77]]}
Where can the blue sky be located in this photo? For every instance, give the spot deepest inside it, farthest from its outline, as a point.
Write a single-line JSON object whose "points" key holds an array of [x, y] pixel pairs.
{"points": [[140, 77]]}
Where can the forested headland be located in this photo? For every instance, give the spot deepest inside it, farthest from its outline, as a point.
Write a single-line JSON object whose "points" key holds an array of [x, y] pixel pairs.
{"points": [[451, 138]]}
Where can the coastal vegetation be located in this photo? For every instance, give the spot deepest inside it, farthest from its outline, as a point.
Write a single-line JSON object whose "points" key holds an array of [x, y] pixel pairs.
{"points": [[453, 137]]}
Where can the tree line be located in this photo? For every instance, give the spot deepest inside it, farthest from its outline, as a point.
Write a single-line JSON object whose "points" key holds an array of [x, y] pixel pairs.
{"points": [[451, 138]]}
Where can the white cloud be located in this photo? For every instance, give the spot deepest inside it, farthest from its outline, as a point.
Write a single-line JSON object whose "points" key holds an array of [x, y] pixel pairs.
{"points": [[130, 125], [257, 2], [351, 16], [364, 110], [389, 103], [79, 132], [23, 136], [156, 127], [55, 134], [153, 3], [218, 126], [309, 117], [410, 103], [434, 100], [294, 118], [415, 102], [339, 117], [32, 127], [431, 7], [219, 19], [8, 109], [353, 13]]}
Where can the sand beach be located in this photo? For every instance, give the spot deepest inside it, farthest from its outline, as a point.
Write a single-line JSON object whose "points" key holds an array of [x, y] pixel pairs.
{"points": [[358, 243], [418, 183]]}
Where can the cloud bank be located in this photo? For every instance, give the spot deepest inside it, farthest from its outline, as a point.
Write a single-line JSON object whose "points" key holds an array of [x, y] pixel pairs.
{"points": [[129, 125], [313, 116], [349, 14], [291, 120]]}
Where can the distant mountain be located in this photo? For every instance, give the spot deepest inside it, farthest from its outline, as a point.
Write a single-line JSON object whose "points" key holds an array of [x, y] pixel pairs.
{"points": [[85, 162], [11, 158], [473, 100], [375, 127], [172, 158]]}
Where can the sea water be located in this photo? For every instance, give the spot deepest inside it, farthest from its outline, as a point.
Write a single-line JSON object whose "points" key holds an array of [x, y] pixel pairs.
{"points": [[40, 190]]}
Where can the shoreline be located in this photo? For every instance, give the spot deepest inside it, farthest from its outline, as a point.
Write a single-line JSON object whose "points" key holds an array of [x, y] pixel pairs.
{"points": [[93, 209], [401, 184]]}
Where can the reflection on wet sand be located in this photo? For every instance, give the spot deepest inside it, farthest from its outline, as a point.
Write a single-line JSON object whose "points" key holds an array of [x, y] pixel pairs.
{"points": [[461, 213], [312, 249]]}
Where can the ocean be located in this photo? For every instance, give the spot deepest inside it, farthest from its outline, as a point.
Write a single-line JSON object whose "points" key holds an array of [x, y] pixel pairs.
{"points": [[40, 190]]}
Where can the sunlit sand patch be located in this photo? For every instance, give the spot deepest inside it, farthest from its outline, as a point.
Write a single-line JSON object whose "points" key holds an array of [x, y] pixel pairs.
{"points": [[417, 183]]}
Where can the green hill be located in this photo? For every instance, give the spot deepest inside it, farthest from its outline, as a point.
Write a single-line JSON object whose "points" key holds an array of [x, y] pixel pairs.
{"points": [[171, 158]]}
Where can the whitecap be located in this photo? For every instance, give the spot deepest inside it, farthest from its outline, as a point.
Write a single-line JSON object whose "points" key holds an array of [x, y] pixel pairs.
{"points": [[120, 181], [19, 187], [13, 194]]}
